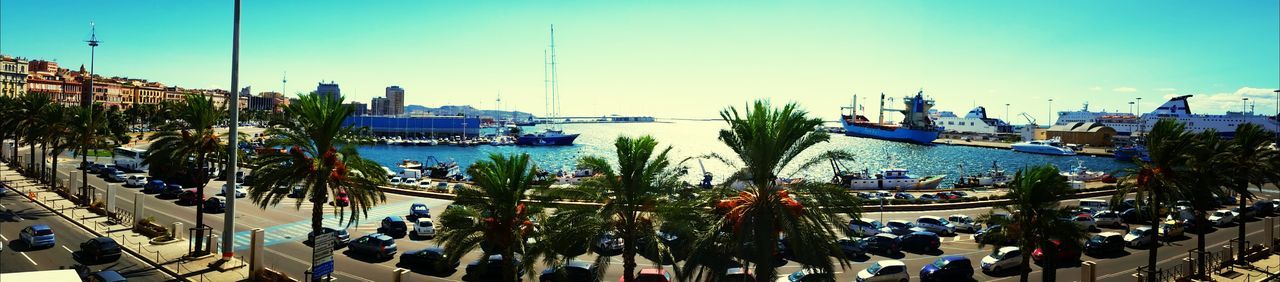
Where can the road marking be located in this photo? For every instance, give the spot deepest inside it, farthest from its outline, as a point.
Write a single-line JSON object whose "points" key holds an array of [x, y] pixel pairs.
{"points": [[33, 262], [68, 249], [2, 237]]}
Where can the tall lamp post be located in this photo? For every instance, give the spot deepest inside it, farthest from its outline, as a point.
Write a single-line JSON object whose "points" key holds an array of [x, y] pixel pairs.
{"points": [[86, 101], [228, 222], [1050, 120], [1006, 112]]}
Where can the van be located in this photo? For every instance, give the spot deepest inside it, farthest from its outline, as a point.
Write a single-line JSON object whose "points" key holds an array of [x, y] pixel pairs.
{"points": [[1094, 205], [409, 173]]}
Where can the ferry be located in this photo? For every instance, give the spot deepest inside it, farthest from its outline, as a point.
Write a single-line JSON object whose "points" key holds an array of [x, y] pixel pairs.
{"points": [[893, 179], [1047, 147], [916, 127], [1176, 108], [976, 121]]}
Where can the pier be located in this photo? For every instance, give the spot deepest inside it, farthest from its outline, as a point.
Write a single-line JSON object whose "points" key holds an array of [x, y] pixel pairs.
{"points": [[1088, 151]]}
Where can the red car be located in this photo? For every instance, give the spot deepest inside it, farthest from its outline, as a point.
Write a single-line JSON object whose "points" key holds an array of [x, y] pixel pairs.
{"points": [[190, 197], [652, 275], [341, 199], [946, 196], [1065, 253]]}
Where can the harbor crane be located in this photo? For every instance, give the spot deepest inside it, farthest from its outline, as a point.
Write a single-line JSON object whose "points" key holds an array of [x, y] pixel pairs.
{"points": [[706, 176], [1030, 120]]}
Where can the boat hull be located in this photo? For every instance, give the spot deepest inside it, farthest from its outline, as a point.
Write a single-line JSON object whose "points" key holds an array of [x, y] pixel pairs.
{"points": [[536, 140], [1043, 150], [924, 137], [922, 183]]}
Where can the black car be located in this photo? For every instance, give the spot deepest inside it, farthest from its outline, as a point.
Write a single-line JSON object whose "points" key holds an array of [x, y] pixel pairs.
{"points": [[1249, 212], [923, 241], [904, 196], [1264, 208], [432, 258], [170, 192], [340, 237], [881, 243], [1104, 243], [85, 165], [984, 236], [214, 205], [574, 270], [1135, 216], [101, 249], [850, 248], [375, 245], [490, 269], [394, 226], [297, 193]]}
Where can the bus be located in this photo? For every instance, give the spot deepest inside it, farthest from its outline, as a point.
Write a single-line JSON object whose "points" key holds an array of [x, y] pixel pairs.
{"points": [[129, 159]]}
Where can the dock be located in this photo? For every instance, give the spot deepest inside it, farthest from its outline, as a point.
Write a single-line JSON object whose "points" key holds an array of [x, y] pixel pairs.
{"points": [[1088, 151]]}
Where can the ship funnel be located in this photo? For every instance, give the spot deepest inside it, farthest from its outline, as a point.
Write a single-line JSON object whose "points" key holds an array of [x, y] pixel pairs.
{"points": [[1177, 105]]}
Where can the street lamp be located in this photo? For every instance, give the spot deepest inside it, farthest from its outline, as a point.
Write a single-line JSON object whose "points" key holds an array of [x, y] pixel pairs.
{"points": [[1006, 112], [1244, 105], [86, 101], [1050, 120], [228, 222]]}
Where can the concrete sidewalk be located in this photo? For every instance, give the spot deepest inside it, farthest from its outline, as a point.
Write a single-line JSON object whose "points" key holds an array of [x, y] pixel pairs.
{"points": [[169, 257], [1267, 269]]}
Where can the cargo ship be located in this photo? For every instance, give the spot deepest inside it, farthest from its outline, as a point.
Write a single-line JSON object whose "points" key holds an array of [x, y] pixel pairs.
{"points": [[916, 127]]}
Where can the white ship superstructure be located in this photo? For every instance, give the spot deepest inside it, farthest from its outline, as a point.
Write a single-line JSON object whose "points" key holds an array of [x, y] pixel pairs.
{"points": [[976, 121], [1176, 108]]}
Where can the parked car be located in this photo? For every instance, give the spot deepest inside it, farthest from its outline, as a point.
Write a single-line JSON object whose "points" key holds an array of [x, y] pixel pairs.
{"points": [[1171, 229], [424, 184], [135, 181], [1085, 222], [376, 245], [946, 196], [885, 270], [153, 186], [897, 227], [106, 170], [298, 193], [1106, 218], [1222, 217], [922, 241], [652, 275], [1248, 213], [340, 237], [928, 198], [573, 270], [808, 275], [935, 224], [1135, 216], [395, 180], [37, 236], [101, 249], [984, 236], [959, 194], [964, 222], [171, 191], [1104, 243], [341, 199], [117, 176], [418, 210], [850, 248], [864, 227], [393, 226], [491, 270], [1066, 252], [424, 227], [96, 168], [948, 268], [433, 259], [883, 243], [85, 165], [1002, 259], [190, 197], [409, 182], [240, 192], [1264, 208], [1140, 237], [214, 205], [903, 196]]}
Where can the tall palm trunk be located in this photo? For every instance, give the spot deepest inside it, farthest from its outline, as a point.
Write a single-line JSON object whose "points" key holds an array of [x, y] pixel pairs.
{"points": [[1201, 223], [31, 166], [53, 172], [629, 247], [508, 265], [1051, 264], [201, 181], [1240, 243], [1155, 241], [318, 200], [1024, 271], [84, 175], [765, 236]]}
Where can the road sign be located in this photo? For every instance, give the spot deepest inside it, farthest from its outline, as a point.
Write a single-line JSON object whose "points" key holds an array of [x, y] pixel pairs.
{"points": [[322, 256]]}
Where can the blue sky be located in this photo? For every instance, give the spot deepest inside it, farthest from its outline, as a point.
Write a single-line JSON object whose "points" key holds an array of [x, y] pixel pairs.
{"points": [[687, 58]]}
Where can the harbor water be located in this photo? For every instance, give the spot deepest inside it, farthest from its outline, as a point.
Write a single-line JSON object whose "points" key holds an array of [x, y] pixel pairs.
{"points": [[690, 139]]}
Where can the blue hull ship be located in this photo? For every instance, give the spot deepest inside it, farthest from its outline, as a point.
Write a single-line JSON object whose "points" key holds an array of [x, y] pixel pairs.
{"points": [[547, 138], [916, 127]]}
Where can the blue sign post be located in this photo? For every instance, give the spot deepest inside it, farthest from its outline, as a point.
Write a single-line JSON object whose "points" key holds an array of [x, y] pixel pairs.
{"points": [[322, 256]]}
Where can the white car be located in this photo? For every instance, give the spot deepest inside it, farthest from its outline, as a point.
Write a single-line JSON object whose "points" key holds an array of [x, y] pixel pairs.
{"points": [[1106, 218], [1085, 222], [885, 270], [864, 227], [1141, 236], [424, 184], [394, 180], [135, 181], [241, 192], [964, 222], [118, 176], [1002, 259], [424, 227], [936, 225], [1222, 217], [410, 182]]}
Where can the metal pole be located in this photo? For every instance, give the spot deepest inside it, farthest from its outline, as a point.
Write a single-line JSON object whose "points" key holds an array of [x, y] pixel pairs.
{"points": [[229, 190]]}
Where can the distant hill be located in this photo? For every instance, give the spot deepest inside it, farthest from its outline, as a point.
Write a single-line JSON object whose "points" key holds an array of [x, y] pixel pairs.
{"points": [[466, 110]]}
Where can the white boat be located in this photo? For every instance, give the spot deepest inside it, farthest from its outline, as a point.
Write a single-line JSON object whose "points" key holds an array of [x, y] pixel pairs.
{"points": [[992, 177], [1048, 147], [893, 179], [410, 164], [976, 121], [1083, 174]]}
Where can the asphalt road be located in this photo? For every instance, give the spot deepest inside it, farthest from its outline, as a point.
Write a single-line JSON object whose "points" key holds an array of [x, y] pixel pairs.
{"points": [[17, 257], [286, 227]]}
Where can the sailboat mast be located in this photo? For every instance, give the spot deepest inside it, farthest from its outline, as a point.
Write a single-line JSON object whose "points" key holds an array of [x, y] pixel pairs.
{"points": [[555, 78], [880, 120], [546, 86]]}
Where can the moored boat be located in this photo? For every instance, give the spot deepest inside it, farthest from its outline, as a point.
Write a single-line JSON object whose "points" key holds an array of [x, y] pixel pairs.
{"points": [[1046, 147], [1083, 174]]}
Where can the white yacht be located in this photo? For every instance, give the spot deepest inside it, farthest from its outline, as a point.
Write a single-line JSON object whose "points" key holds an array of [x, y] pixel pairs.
{"points": [[1048, 147]]}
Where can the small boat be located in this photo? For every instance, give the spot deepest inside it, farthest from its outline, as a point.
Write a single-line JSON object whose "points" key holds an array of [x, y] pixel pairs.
{"points": [[1083, 174], [1128, 153], [410, 164], [992, 177], [547, 138], [1047, 147]]}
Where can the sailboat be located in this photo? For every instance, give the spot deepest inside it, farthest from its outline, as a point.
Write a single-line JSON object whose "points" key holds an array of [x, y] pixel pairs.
{"points": [[549, 136]]}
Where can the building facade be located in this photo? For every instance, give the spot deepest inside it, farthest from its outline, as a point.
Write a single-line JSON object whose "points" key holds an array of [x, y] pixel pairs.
{"points": [[395, 97], [1087, 133], [360, 108], [13, 76], [379, 106], [331, 89]]}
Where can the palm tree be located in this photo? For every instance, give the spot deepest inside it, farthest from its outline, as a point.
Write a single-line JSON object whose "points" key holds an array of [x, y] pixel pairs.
{"points": [[88, 132], [1035, 209], [56, 121], [321, 159], [1202, 184], [9, 123], [187, 146], [1155, 182], [639, 182], [1251, 157], [28, 111], [766, 140], [504, 223]]}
